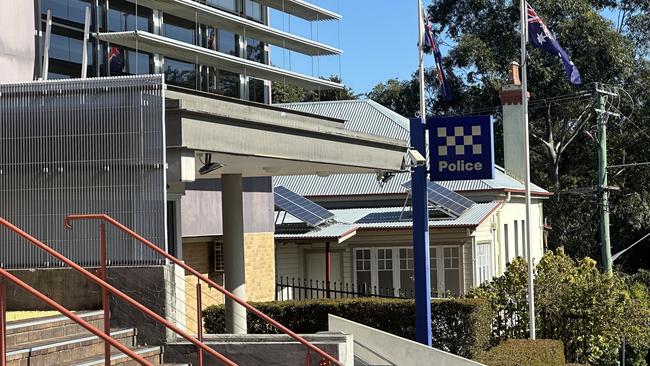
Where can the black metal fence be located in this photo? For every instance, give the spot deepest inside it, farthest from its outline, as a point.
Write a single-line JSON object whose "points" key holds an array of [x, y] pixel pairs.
{"points": [[303, 289]]}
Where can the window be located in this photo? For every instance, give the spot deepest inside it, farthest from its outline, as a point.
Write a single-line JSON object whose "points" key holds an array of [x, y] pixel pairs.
{"points": [[223, 82], [255, 50], [180, 73], [516, 239], [122, 17], [230, 5], [385, 272], [433, 276], [406, 278], [179, 29], [390, 271], [253, 10], [228, 43], [483, 263], [452, 270], [524, 241], [506, 242], [217, 260], [71, 10], [256, 90], [363, 270]]}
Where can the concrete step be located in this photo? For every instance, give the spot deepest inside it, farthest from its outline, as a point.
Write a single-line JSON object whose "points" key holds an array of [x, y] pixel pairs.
{"points": [[35, 330], [58, 350], [151, 354]]}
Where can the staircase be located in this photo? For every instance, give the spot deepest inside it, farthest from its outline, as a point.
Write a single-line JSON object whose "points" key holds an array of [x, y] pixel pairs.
{"points": [[58, 340]]}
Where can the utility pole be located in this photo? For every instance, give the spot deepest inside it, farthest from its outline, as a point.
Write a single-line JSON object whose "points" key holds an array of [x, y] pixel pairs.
{"points": [[602, 178]]}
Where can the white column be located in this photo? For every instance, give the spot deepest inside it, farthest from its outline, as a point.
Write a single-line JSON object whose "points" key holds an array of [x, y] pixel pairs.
{"points": [[232, 206]]}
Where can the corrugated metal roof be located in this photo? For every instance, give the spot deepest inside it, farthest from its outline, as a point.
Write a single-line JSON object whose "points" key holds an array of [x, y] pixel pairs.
{"points": [[334, 231], [360, 115], [370, 117], [389, 217], [366, 184]]}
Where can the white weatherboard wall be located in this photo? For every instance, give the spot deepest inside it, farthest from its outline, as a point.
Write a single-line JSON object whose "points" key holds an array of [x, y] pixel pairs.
{"points": [[378, 348], [515, 210]]}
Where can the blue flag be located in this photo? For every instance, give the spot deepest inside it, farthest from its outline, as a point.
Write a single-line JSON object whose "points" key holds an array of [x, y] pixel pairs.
{"points": [[540, 36], [430, 40]]}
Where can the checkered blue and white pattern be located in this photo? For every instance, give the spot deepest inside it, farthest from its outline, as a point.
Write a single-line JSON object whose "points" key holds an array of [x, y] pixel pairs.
{"points": [[459, 142]]}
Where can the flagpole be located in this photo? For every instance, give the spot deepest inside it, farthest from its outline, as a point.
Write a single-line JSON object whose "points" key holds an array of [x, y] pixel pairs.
{"points": [[524, 103], [423, 108]]}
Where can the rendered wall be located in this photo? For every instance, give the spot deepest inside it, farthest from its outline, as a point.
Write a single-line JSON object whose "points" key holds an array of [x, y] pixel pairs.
{"points": [[17, 50], [201, 207]]}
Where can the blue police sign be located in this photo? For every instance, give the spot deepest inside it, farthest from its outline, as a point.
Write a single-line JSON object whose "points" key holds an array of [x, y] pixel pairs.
{"points": [[461, 148]]}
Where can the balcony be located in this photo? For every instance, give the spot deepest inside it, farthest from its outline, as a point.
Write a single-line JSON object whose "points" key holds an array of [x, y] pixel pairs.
{"points": [[301, 9], [152, 43], [196, 12]]}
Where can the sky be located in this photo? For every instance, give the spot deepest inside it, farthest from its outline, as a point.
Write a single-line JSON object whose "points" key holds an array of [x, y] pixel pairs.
{"points": [[378, 39]]}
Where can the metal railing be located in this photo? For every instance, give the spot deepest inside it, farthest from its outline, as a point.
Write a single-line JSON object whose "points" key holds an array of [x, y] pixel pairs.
{"points": [[108, 341], [326, 358], [303, 289], [107, 288]]}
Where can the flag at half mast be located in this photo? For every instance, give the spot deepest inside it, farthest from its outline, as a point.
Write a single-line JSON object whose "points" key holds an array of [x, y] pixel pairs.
{"points": [[430, 40], [541, 37]]}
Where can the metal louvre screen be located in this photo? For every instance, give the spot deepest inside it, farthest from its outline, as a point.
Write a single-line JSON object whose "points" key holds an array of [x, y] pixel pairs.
{"points": [[82, 147]]}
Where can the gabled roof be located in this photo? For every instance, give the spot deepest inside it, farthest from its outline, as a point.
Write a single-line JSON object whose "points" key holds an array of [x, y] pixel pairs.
{"points": [[389, 218], [360, 115], [370, 117]]}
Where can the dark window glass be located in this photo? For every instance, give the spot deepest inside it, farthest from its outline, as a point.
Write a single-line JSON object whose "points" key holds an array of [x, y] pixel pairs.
{"points": [[125, 61], [180, 73], [255, 50], [72, 10], [230, 5], [228, 43], [253, 10], [256, 90], [179, 29], [67, 49], [121, 17], [228, 84]]}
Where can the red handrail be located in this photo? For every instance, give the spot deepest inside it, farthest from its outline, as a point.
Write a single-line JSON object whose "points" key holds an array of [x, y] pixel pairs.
{"points": [[68, 220], [70, 315], [115, 292]]}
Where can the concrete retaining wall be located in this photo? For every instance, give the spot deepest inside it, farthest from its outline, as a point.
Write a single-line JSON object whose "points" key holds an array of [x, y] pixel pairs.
{"points": [[268, 350], [378, 348]]}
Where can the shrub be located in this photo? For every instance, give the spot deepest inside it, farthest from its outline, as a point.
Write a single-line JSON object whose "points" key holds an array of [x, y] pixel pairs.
{"points": [[459, 326], [524, 352], [589, 311]]}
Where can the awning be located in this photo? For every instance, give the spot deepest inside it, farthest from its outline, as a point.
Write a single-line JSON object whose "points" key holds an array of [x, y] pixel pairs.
{"points": [[336, 233], [204, 14], [301, 9], [152, 43]]}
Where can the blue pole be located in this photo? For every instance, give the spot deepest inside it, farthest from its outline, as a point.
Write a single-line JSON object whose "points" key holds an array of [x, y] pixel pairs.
{"points": [[421, 238]]}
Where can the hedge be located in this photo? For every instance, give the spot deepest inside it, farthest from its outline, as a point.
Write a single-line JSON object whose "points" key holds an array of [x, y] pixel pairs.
{"points": [[524, 352], [459, 326]]}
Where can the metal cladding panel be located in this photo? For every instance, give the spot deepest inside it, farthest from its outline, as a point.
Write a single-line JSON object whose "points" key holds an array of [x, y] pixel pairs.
{"points": [[82, 147]]}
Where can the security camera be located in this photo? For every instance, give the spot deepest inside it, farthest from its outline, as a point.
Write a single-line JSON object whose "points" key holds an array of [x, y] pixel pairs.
{"points": [[416, 158]]}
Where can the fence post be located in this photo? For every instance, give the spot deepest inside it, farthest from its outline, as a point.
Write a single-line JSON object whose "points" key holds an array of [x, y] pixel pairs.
{"points": [[103, 259], [199, 322], [3, 322]]}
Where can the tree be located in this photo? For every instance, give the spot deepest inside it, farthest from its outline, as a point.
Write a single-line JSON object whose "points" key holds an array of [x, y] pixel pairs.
{"points": [[285, 93], [484, 38], [588, 310], [401, 96]]}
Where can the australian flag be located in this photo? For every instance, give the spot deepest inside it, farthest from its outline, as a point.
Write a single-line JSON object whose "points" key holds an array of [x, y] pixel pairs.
{"points": [[540, 36], [116, 59], [430, 40]]}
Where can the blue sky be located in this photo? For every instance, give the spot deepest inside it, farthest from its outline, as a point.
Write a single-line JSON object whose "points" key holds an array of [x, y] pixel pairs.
{"points": [[378, 39]]}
